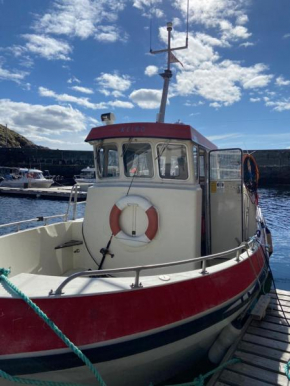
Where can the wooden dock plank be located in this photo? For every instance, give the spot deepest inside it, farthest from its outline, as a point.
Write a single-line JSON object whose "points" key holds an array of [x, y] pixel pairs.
{"points": [[277, 319], [286, 305], [280, 292], [277, 345], [278, 314], [264, 348], [236, 379], [269, 334], [281, 297], [271, 326], [263, 351], [261, 362], [249, 371]]}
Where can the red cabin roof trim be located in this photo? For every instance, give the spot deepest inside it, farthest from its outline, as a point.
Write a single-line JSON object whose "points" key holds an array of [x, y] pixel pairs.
{"points": [[149, 130]]}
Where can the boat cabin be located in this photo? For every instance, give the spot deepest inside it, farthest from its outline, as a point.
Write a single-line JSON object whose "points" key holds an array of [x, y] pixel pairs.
{"points": [[164, 192]]}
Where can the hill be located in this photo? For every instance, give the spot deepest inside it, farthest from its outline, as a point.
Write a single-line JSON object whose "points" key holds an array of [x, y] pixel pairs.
{"points": [[14, 139]]}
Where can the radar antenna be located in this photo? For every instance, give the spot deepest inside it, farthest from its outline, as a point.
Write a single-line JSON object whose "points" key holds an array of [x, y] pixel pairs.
{"points": [[167, 74]]}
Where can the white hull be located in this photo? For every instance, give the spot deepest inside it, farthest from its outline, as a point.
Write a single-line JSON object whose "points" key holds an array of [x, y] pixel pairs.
{"points": [[26, 184]]}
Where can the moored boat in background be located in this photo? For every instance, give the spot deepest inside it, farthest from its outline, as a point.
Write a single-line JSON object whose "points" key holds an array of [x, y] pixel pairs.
{"points": [[24, 178]]}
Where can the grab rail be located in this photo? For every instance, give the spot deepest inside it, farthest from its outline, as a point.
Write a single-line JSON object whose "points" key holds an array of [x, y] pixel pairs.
{"points": [[40, 218], [245, 245]]}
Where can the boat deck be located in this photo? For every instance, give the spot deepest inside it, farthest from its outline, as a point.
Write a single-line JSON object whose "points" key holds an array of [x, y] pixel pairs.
{"points": [[57, 193], [263, 348]]}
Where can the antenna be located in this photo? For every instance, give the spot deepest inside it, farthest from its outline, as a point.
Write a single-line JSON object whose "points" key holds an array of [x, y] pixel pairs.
{"points": [[167, 74]]}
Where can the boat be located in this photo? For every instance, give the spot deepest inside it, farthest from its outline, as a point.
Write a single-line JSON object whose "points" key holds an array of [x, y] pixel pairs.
{"points": [[172, 249], [86, 178], [23, 178]]}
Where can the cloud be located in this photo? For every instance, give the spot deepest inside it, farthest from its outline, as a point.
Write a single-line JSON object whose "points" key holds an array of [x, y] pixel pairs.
{"points": [[146, 99], [114, 81], [254, 100], [204, 74], [81, 19], [247, 44], [70, 99], [73, 79], [110, 34], [47, 47], [34, 119], [280, 81], [279, 106], [85, 90], [121, 104], [15, 76], [151, 70], [286, 36]]}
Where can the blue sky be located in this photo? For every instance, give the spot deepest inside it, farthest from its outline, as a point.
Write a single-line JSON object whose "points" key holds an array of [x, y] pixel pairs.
{"points": [[65, 62]]}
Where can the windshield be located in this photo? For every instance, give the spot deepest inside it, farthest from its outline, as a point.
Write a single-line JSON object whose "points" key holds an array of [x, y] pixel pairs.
{"points": [[107, 161], [172, 161], [138, 160]]}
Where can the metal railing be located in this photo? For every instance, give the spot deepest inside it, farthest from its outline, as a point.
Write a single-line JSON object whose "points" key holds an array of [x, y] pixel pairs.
{"points": [[238, 250], [72, 201]]}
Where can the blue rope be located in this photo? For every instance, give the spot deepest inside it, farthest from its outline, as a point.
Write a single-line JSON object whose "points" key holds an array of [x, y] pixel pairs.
{"points": [[287, 370], [3, 276]]}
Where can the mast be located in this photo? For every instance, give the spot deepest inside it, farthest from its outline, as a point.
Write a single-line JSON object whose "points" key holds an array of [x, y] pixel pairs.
{"points": [[167, 74]]}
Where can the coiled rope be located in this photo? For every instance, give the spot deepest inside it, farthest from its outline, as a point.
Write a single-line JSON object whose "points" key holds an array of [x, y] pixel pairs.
{"points": [[4, 277]]}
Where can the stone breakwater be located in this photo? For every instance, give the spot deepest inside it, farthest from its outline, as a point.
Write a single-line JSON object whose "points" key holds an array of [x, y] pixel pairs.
{"points": [[274, 165]]}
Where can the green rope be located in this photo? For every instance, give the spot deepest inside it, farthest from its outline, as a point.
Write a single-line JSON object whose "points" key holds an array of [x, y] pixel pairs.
{"points": [[199, 381], [3, 276], [287, 370]]}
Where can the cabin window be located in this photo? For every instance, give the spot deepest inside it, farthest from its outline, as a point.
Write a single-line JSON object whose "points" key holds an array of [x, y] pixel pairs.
{"points": [[107, 161], [138, 160], [172, 161]]}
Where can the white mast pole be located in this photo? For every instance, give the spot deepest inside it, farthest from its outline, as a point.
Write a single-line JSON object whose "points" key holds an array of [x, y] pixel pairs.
{"points": [[167, 74]]}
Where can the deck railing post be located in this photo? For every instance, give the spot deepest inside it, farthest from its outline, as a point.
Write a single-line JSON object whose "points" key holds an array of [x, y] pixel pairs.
{"points": [[203, 270], [137, 277], [238, 255]]}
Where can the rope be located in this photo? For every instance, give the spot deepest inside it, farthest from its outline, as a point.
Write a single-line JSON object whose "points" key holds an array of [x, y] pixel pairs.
{"points": [[3, 276], [199, 381]]}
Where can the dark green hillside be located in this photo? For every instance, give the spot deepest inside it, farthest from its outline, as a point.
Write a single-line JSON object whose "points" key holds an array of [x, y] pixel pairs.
{"points": [[15, 140]]}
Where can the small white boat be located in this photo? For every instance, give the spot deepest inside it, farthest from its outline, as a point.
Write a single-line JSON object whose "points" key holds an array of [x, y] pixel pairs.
{"points": [[173, 247], [86, 179], [24, 178]]}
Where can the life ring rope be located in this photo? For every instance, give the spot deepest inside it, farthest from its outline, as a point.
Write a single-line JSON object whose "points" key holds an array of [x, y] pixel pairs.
{"points": [[150, 211]]}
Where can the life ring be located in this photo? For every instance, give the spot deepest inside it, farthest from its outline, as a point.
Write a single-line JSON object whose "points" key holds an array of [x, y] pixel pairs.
{"points": [[134, 241]]}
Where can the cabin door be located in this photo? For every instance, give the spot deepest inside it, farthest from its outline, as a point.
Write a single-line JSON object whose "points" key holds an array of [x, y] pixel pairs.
{"points": [[225, 199]]}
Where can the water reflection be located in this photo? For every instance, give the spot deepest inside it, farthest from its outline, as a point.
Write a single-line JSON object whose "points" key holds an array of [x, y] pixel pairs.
{"points": [[275, 203]]}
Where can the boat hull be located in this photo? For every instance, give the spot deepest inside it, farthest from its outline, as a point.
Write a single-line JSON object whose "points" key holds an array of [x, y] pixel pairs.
{"points": [[142, 335]]}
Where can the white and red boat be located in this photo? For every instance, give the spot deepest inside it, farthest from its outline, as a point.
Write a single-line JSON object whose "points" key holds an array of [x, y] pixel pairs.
{"points": [[171, 250]]}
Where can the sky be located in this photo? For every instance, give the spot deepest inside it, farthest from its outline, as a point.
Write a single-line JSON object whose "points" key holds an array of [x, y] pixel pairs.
{"points": [[63, 63]]}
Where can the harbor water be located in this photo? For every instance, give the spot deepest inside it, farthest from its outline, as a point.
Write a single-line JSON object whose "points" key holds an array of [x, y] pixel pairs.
{"points": [[274, 201]]}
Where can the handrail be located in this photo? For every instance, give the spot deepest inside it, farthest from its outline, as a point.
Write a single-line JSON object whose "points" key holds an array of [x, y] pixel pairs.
{"points": [[41, 218], [245, 245]]}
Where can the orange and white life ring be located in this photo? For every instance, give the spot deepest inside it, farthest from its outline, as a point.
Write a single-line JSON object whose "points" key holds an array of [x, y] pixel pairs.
{"points": [[134, 241]]}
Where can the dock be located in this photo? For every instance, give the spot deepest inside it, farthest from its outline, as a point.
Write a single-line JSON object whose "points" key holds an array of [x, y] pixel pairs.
{"points": [[263, 348], [53, 193]]}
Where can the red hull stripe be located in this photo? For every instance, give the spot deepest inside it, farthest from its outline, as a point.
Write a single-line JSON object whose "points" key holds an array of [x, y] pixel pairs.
{"points": [[99, 318], [149, 130], [127, 348]]}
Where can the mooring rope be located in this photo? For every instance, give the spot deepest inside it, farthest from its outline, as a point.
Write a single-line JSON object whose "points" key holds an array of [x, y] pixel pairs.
{"points": [[4, 277]]}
